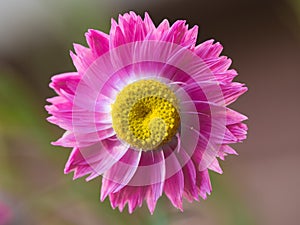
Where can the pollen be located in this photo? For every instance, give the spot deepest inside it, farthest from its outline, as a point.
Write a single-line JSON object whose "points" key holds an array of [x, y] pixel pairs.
{"points": [[145, 114]]}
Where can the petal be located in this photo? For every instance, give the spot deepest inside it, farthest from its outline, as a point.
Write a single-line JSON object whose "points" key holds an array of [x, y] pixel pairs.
{"points": [[208, 50], [225, 150], [203, 183], [174, 184], [118, 38], [98, 41], [133, 195], [132, 27], [149, 23], [83, 58], [232, 92], [179, 34], [239, 131], [96, 159], [226, 76], [234, 117], [71, 139], [147, 183], [215, 166], [120, 173], [151, 173], [65, 81], [189, 172]]}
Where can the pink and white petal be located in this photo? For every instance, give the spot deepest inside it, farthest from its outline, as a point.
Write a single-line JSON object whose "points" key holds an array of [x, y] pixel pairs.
{"points": [[232, 92], [226, 76], [180, 35], [133, 195], [95, 159], [203, 183], [189, 172], [190, 37], [223, 94], [174, 184], [225, 150], [174, 189], [147, 183], [176, 34], [150, 27], [65, 81], [158, 170], [111, 152], [239, 130], [118, 38], [218, 65], [77, 163], [228, 138], [215, 166], [89, 122], [162, 29], [83, 58], [153, 166], [234, 117], [151, 171], [208, 49], [132, 27], [97, 41], [120, 173], [71, 139]]}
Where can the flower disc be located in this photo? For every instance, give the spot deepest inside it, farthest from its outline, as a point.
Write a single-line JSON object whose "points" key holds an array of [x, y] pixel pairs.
{"points": [[145, 114]]}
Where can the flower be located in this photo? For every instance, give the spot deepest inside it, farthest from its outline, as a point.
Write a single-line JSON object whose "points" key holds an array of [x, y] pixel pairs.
{"points": [[147, 110], [6, 215]]}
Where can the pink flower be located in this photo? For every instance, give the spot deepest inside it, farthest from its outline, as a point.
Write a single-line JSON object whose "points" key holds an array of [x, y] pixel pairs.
{"points": [[5, 214], [147, 110]]}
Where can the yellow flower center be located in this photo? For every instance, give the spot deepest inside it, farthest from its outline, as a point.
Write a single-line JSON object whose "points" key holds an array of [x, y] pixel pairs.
{"points": [[146, 114]]}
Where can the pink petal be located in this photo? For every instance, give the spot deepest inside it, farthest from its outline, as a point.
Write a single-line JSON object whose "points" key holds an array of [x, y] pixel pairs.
{"points": [[174, 185], [162, 29], [179, 34], [218, 65], [226, 76], [132, 27], [149, 23], [215, 166], [118, 38], [232, 92], [151, 173], [234, 117], [203, 183], [98, 41], [239, 130], [96, 159], [225, 150], [147, 183], [70, 139], [83, 58], [120, 173], [133, 195], [208, 50], [66, 81], [189, 171]]}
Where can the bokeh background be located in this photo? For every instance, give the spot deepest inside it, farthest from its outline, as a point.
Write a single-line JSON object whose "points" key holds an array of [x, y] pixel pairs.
{"points": [[260, 186]]}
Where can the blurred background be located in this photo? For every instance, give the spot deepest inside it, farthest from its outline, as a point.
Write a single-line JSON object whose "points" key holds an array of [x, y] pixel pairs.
{"points": [[260, 186]]}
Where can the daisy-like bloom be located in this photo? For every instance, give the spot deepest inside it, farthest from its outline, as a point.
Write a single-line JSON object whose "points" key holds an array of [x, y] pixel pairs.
{"points": [[147, 110]]}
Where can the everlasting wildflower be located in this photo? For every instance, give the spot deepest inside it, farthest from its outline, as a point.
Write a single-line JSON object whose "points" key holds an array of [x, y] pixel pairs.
{"points": [[147, 110]]}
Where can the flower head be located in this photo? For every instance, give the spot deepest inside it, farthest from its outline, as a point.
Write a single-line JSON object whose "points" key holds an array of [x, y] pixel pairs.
{"points": [[147, 110]]}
